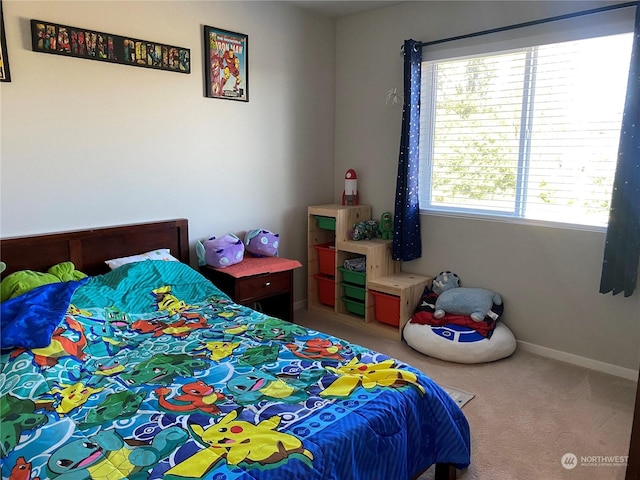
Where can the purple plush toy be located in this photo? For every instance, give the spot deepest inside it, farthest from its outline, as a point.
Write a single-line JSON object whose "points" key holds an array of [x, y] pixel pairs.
{"points": [[262, 243], [220, 252]]}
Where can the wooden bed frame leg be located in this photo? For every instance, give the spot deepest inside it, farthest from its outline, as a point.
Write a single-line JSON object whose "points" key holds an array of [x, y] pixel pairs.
{"points": [[445, 471]]}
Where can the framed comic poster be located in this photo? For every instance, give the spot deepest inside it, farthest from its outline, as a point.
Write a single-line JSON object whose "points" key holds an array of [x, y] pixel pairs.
{"points": [[226, 60], [5, 76], [56, 39]]}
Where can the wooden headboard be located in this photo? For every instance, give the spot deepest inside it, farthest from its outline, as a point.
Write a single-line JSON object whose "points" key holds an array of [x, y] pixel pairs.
{"points": [[88, 249]]}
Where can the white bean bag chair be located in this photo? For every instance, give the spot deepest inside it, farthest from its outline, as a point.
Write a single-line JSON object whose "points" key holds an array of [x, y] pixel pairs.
{"points": [[457, 343]]}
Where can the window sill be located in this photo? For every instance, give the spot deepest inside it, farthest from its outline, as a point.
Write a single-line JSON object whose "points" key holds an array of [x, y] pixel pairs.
{"points": [[513, 220]]}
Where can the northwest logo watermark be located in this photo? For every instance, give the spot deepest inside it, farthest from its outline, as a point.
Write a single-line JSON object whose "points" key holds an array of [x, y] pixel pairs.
{"points": [[570, 461]]}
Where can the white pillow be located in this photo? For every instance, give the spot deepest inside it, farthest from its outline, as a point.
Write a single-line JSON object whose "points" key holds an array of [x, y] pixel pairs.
{"points": [[160, 254]]}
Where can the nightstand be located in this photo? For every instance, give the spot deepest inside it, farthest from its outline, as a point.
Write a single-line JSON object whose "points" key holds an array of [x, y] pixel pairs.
{"points": [[261, 283]]}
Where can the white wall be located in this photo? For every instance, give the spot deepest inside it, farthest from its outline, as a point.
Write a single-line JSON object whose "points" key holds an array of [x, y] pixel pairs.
{"points": [[85, 143], [548, 277]]}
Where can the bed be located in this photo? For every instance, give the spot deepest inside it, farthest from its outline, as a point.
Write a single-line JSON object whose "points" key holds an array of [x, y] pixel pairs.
{"points": [[150, 371]]}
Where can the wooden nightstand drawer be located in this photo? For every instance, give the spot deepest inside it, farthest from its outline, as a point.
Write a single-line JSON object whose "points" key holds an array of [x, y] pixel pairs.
{"points": [[261, 286], [253, 284]]}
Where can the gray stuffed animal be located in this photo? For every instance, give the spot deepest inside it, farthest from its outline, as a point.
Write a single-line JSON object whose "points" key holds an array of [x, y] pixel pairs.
{"points": [[475, 302]]}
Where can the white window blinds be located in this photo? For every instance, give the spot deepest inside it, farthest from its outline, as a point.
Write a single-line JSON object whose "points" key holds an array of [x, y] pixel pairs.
{"points": [[530, 133]]}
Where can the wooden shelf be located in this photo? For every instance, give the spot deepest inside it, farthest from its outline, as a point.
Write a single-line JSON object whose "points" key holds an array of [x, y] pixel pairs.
{"points": [[382, 273], [407, 286], [396, 283]]}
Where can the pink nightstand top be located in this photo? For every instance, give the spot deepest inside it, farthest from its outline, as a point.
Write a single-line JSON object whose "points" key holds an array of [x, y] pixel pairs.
{"points": [[257, 265]]}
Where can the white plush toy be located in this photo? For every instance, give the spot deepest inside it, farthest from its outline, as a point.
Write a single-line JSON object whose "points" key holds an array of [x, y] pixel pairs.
{"points": [[474, 302]]}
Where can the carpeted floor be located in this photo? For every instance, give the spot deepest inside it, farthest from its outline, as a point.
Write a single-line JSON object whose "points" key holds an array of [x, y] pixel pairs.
{"points": [[527, 413]]}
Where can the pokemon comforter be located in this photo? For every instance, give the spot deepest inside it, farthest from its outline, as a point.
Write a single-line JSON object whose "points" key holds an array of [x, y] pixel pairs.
{"points": [[150, 372]]}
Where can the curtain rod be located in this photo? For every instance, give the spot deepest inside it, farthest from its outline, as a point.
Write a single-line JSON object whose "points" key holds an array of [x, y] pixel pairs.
{"points": [[531, 23]]}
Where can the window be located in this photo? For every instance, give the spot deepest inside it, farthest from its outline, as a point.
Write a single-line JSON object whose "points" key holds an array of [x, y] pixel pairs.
{"points": [[531, 133]]}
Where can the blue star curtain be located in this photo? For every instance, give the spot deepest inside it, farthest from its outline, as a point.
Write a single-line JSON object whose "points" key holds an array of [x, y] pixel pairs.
{"points": [[407, 244], [622, 247]]}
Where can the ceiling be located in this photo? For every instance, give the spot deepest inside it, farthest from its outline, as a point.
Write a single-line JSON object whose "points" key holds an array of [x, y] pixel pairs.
{"points": [[337, 8]]}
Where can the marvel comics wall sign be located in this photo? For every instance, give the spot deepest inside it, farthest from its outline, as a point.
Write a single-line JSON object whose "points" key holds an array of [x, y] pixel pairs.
{"points": [[48, 37]]}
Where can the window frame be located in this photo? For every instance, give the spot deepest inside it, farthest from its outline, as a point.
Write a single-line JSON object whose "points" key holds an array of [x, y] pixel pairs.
{"points": [[516, 215]]}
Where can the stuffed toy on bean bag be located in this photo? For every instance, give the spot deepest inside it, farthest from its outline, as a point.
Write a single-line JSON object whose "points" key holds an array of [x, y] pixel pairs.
{"points": [[475, 302], [424, 315], [448, 330]]}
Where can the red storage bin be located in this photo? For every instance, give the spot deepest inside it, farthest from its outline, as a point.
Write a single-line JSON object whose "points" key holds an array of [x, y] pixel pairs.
{"points": [[326, 258], [326, 290], [387, 308]]}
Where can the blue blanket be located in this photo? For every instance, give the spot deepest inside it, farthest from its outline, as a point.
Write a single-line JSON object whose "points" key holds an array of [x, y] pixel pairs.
{"points": [[28, 321]]}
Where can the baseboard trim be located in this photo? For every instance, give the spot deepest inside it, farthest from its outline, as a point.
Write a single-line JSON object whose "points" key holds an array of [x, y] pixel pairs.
{"points": [[597, 365]]}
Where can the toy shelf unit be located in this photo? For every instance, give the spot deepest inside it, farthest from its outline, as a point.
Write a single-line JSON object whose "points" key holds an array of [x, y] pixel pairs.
{"points": [[396, 297], [380, 298]]}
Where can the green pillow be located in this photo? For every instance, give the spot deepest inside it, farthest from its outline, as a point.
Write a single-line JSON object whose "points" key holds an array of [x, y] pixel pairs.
{"points": [[66, 272], [22, 281]]}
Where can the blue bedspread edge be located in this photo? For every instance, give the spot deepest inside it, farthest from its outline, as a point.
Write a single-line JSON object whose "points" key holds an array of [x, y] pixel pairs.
{"points": [[38, 312]]}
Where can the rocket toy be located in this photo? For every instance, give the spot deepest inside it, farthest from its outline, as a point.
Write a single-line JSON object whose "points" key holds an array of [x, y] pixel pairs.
{"points": [[350, 194]]}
